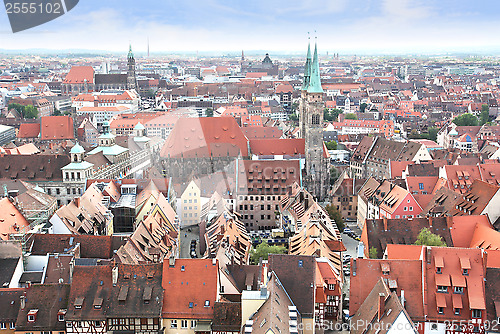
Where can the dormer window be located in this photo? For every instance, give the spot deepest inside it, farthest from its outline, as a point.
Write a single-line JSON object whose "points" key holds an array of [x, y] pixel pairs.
{"points": [[207, 303], [439, 270], [465, 272], [78, 303], [442, 289], [60, 315], [32, 315]]}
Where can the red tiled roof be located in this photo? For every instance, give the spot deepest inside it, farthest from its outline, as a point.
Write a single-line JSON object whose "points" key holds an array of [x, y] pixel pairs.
{"points": [[407, 273], [262, 132], [29, 130], [473, 297], [78, 74], [290, 147], [11, 220], [203, 137], [403, 252], [463, 227], [189, 281], [57, 128], [284, 88], [460, 177]]}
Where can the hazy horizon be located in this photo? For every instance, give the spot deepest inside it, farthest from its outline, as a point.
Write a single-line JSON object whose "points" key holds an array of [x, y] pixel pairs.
{"points": [[280, 27]]}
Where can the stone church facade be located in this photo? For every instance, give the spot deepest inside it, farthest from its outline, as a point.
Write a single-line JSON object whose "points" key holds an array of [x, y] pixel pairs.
{"points": [[311, 106]]}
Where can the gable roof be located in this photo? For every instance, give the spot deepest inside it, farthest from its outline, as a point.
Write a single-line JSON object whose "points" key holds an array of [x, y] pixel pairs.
{"points": [[290, 268], [402, 274], [205, 137], [288, 147], [29, 130], [144, 297], [37, 297], [56, 128], [80, 75], [368, 313], [11, 219], [9, 304], [262, 132], [476, 199], [273, 315], [452, 260], [189, 281], [90, 246], [381, 232], [94, 286]]}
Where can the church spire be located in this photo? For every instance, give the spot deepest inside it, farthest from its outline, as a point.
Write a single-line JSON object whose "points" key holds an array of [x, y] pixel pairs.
{"points": [[307, 68], [130, 54], [315, 80]]}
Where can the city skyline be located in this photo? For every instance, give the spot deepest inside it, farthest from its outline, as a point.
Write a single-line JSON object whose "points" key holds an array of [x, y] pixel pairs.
{"points": [[221, 27]]}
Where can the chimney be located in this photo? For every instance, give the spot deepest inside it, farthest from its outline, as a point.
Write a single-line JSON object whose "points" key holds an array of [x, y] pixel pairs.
{"points": [[171, 261], [381, 305], [114, 275], [263, 292], [430, 222], [23, 302], [403, 298], [385, 223]]}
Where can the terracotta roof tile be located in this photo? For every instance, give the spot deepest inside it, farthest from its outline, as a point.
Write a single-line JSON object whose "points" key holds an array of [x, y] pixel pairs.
{"points": [[205, 137], [79, 75], [29, 130], [57, 128], [189, 281]]}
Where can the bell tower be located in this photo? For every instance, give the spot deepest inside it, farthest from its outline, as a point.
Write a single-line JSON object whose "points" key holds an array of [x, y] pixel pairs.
{"points": [[311, 109], [131, 78]]}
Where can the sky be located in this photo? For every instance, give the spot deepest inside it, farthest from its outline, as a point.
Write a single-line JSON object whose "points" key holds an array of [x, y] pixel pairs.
{"points": [[274, 26]]}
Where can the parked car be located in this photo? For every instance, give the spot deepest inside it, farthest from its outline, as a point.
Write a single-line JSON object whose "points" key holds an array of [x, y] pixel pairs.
{"points": [[346, 230], [347, 272], [347, 259]]}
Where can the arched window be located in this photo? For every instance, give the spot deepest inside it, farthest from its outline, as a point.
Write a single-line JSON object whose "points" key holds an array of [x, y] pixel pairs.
{"points": [[315, 119]]}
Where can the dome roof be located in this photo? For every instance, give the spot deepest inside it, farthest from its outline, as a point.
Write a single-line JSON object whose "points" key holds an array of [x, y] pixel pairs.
{"points": [[139, 126], [77, 149]]}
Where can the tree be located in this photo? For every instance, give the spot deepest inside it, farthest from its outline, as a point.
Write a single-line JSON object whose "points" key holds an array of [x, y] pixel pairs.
{"points": [[209, 112], [350, 116], [30, 112], [263, 250], [373, 253], [485, 114], [362, 107], [57, 112], [334, 175], [335, 215], [331, 115], [294, 117], [327, 116], [150, 94], [465, 120], [331, 145], [427, 238], [18, 107], [433, 133]]}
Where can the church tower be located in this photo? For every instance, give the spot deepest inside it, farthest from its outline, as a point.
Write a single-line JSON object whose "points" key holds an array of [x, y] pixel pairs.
{"points": [[317, 175], [131, 78]]}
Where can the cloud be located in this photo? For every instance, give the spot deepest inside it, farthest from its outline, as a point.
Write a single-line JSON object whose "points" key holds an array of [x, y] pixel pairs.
{"points": [[273, 25]]}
